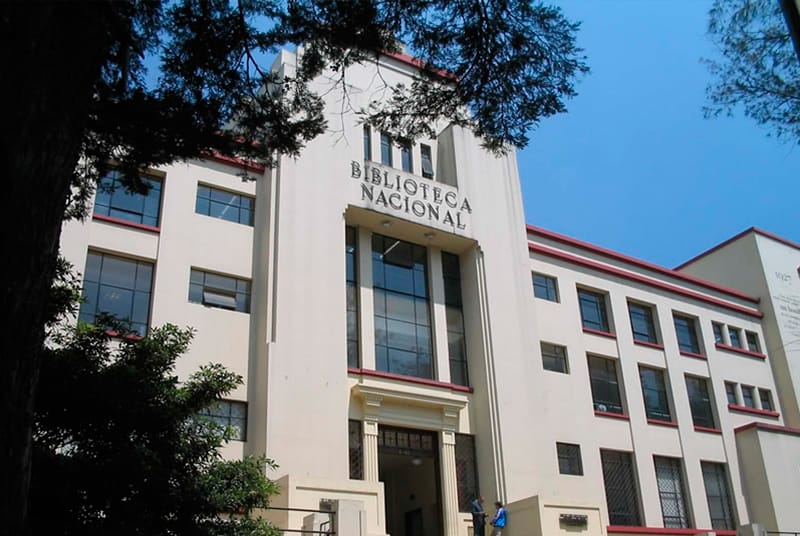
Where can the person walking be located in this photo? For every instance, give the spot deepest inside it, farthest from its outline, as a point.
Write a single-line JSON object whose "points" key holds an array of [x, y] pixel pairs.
{"points": [[478, 517], [499, 519]]}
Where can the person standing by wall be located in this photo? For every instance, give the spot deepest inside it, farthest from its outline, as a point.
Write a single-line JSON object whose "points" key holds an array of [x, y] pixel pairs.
{"points": [[478, 517], [499, 519]]}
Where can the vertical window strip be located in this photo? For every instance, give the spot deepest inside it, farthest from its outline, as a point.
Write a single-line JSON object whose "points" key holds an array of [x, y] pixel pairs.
{"points": [[466, 471], [367, 143], [356, 449], [351, 277], [671, 492], [456, 342], [386, 149]]}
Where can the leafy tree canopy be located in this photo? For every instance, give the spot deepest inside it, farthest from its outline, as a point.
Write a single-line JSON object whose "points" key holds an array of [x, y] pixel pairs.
{"points": [[758, 70]]}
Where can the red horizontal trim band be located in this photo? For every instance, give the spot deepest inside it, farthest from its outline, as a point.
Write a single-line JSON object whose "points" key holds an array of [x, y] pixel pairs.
{"points": [[536, 248], [410, 379], [126, 223], [419, 64], [622, 529], [737, 350], [659, 422], [769, 427], [649, 344], [600, 332], [736, 237], [241, 163], [638, 262], [754, 411], [707, 429], [694, 355], [623, 416]]}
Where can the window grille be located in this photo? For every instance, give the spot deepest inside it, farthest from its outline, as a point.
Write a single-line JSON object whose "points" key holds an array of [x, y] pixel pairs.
{"points": [[466, 471], [356, 450], [622, 495], [569, 459], [718, 495], [671, 492]]}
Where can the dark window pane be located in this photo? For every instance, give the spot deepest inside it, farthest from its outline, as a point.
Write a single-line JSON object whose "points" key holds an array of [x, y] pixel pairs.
{"points": [[766, 399], [747, 396], [367, 143], [554, 357], [699, 401], [215, 290], [230, 414], [114, 200], [730, 392], [569, 459], [426, 161], [655, 394], [752, 342], [718, 333], [718, 495], [593, 310], [605, 385], [735, 337], [386, 149], [466, 471], [224, 205], [544, 287], [687, 334], [356, 450], [642, 322], [405, 158]]}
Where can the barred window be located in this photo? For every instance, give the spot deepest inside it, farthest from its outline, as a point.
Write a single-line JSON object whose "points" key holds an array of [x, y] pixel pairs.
{"points": [[466, 471], [718, 495], [230, 414], [554, 357], [700, 401], [351, 258], [356, 450], [229, 206], [669, 477], [456, 342], [622, 494], [569, 459]]}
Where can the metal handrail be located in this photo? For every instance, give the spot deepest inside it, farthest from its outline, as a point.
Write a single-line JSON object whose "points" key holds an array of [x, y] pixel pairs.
{"points": [[783, 533]]}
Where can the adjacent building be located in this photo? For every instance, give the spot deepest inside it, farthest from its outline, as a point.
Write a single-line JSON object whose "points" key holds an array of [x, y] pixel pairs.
{"points": [[408, 343]]}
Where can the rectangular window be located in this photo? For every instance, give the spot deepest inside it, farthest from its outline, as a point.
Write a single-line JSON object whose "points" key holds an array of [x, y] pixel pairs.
{"points": [[402, 307], [545, 287], [466, 471], [224, 205], [426, 161], [356, 450], [221, 291], [718, 333], [766, 399], [752, 341], [554, 357], [735, 336], [605, 384], [386, 149], [718, 495], [351, 278], [119, 288], [730, 392], [642, 324], [406, 159], [367, 143], [671, 491], [115, 201], [686, 330], [456, 342], [231, 414], [747, 396], [622, 495], [700, 401], [654, 389], [569, 459], [593, 310]]}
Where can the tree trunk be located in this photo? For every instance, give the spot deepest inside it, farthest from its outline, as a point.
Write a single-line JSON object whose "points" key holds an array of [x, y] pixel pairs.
{"points": [[51, 55]]}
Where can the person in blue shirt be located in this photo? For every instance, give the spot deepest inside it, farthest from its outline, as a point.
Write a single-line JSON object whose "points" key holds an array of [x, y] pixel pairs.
{"points": [[478, 517], [499, 519]]}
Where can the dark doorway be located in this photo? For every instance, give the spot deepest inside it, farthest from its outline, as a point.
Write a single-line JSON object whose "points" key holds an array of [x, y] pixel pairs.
{"points": [[408, 463]]}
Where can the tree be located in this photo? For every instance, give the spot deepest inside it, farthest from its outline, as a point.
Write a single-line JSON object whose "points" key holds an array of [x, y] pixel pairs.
{"points": [[119, 447], [758, 70], [80, 96]]}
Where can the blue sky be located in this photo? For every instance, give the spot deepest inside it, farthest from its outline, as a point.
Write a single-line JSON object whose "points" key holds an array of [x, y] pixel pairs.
{"points": [[633, 166]]}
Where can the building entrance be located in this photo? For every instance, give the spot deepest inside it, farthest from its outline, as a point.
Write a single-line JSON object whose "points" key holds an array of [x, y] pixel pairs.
{"points": [[408, 466]]}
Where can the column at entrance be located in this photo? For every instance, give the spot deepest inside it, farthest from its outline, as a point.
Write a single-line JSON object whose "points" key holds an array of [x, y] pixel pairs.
{"points": [[372, 407], [448, 469]]}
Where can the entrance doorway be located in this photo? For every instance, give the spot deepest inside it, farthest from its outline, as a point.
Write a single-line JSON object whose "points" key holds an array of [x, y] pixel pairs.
{"points": [[408, 466]]}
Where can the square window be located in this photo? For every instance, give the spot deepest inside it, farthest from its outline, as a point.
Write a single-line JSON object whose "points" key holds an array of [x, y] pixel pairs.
{"points": [[752, 341], [569, 459], [654, 390], [594, 314], [220, 291], [686, 331], [229, 206], [735, 336], [230, 414], [730, 392], [766, 399], [545, 287], [718, 337], [554, 357], [605, 385], [642, 323], [747, 396]]}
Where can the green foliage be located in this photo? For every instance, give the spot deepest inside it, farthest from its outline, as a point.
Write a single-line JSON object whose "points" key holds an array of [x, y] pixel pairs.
{"points": [[758, 70], [119, 447]]}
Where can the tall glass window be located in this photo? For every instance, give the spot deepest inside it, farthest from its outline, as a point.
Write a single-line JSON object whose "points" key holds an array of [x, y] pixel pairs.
{"points": [[427, 161], [593, 310], [115, 201], [402, 308], [456, 344], [700, 402], [367, 143], [642, 324], [654, 390], [686, 330], [351, 258], [386, 149], [605, 384], [405, 157]]}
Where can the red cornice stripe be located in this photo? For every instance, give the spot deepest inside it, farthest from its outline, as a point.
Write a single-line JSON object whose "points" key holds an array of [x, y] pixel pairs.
{"points": [[769, 427], [737, 350], [419, 64], [241, 163], [754, 411], [410, 379], [736, 237], [638, 262], [126, 223], [536, 248], [621, 529]]}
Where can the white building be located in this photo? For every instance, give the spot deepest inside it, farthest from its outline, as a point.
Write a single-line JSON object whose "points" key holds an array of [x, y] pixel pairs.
{"points": [[379, 300]]}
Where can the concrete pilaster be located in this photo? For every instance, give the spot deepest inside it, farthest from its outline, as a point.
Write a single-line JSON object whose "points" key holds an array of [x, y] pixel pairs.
{"points": [[449, 483]]}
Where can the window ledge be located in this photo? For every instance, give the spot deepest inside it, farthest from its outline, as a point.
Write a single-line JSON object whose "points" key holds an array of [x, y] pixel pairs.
{"points": [[126, 223], [693, 354], [707, 430], [622, 529], [754, 411], [600, 332], [623, 416], [742, 351], [410, 379], [649, 344], [659, 422]]}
